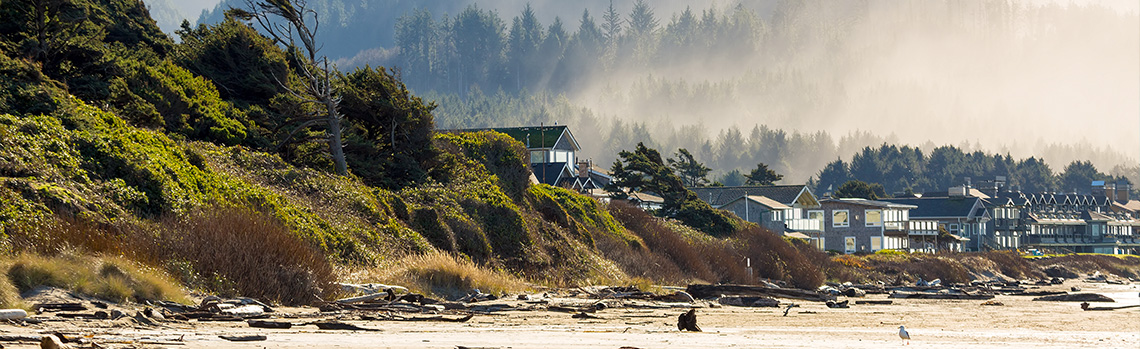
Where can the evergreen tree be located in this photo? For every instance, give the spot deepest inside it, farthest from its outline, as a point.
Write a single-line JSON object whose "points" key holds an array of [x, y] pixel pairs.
{"points": [[860, 189], [761, 175], [692, 173]]}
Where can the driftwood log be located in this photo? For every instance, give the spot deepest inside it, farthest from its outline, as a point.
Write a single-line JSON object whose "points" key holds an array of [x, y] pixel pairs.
{"points": [[1076, 297], [713, 291], [940, 295], [269, 324]]}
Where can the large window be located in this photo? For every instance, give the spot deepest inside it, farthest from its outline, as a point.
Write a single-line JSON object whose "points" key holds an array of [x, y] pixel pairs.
{"points": [[874, 218], [839, 218], [536, 157], [876, 243], [849, 244]]}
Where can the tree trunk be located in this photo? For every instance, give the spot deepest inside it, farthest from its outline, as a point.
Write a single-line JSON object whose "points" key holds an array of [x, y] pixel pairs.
{"points": [[335, 146]]}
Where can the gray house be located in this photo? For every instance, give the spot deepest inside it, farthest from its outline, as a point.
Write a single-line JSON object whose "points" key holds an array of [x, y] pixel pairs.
{"points": [[780, 208], [860, 225], [959, 214]]}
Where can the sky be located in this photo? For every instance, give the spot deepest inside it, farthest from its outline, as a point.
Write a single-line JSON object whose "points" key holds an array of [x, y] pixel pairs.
{"points": [[937, 86], [192, 8]]}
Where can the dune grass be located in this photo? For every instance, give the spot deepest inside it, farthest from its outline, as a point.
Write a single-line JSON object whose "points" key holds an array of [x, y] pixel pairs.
{"points": [[442, 275], [106, 277]]}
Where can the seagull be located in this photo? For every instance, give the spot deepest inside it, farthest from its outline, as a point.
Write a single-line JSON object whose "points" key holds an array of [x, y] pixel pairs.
{"points": [[904, 335]]}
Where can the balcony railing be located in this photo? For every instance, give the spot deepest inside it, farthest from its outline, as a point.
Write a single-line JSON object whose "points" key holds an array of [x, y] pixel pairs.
{"points": [[804, 224]]}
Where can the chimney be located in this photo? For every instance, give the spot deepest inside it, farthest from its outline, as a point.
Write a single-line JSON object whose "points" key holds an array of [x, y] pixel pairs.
{"points": [[1110, 191], [1122, 189], [583, 169], [1102, 187], [957, 192]]}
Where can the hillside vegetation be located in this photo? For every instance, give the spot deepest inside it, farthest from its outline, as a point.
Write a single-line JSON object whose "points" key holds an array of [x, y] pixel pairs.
{"points": [[115, 141], [157, 165]]}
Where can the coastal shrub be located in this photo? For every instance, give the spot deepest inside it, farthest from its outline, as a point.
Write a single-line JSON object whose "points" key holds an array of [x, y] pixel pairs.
{"points": [[502, 156], [252, 250], [775, 258], [581, 214]]}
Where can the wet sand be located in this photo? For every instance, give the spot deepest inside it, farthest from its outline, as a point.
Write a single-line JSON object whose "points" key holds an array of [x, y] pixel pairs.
{"points": [[1019, 323]]}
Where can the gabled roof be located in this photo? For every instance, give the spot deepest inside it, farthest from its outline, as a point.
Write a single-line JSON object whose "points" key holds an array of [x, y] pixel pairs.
{"points": [[763, 201], [998, 201], [644, 197], [1094, 216], [535, 136], [870, 203], [788, 195], [551, 172], [943, 207]]}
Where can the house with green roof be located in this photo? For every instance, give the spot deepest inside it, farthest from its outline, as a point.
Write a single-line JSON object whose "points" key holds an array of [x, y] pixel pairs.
{"points": [[553, 156]]}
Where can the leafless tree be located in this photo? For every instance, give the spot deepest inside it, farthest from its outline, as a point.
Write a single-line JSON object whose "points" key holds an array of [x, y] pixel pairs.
{"points": [[291, 23]]}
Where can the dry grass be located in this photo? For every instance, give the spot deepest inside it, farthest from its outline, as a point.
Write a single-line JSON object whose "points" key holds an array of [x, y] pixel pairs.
{"points": [[228, 251], [250, 253], [1123, 266], [110, 278], [442, 275], [675, 254]]}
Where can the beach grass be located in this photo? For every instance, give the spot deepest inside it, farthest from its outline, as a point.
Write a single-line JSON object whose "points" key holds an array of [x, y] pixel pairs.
{"points": [[106, 277]]}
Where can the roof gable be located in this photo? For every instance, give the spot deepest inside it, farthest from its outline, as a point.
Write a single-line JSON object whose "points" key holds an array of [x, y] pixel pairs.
{"points": [[789, 195], [928, 207], [762, 201]]}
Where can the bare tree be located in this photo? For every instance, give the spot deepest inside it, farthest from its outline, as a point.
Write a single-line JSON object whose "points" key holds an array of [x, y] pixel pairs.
{"points": [[291, 23]]}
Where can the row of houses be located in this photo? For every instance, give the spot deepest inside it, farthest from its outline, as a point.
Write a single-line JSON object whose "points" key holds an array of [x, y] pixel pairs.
{"points": [[963, 218], [959, 219]]}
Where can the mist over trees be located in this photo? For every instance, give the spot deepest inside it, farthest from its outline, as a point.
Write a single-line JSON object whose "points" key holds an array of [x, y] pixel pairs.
{"points": [[817, 81]]}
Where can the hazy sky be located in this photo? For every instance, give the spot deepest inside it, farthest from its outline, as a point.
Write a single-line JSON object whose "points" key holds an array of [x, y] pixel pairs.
{"points": [[191, 8]]}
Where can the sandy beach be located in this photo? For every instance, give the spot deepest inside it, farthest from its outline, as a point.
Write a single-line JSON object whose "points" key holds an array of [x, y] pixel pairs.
{"points": [[1019, 323]]}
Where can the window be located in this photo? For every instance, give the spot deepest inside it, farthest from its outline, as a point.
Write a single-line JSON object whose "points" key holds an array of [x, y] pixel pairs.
{"points": [[954, 228], [876, 243], [874, 218], [819, 243], [839, 219], [816, 215], [849, 244], [560, 156], [777, 215], [536, 157]]}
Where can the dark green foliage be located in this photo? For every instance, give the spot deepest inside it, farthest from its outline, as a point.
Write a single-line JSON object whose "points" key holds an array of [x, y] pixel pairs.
{"points": [[389, 141], [244, 65], [1078, 177], [25, 90], [692, 173], [643, 170], [761, 175], [860, 189]]}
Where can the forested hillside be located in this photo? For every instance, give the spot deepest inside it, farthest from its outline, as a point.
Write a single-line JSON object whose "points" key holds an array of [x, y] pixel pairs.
{"points": [[824, 77], [212, 160]]}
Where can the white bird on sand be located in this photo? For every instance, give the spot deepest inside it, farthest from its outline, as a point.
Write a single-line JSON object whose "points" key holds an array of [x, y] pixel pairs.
{"points": [[903, 334]]}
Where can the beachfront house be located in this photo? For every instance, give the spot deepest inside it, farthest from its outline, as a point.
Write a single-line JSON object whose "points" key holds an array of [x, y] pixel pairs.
{"points": [[782, 209], [861, 225], [962, 216]]}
